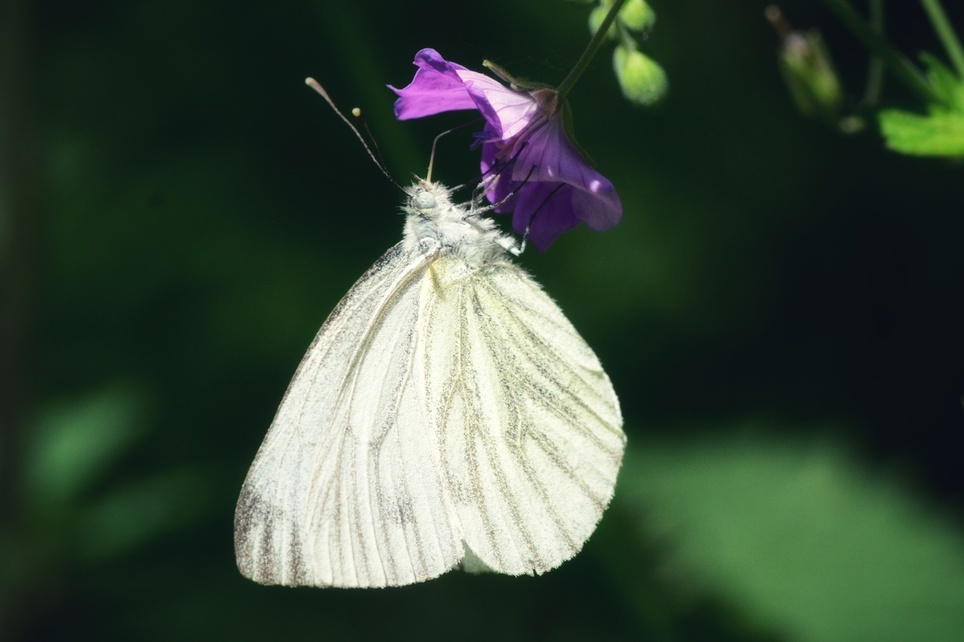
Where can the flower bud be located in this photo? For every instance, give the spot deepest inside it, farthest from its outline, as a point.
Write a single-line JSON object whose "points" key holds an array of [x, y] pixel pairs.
{"points": [[641, 79], [637, 15], [596, 17], [810, 75], [807, 70]]}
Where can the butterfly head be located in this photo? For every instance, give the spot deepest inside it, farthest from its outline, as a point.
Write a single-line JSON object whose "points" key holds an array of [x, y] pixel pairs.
{"points": [[422, 200], [431, 202], [432, 214]]}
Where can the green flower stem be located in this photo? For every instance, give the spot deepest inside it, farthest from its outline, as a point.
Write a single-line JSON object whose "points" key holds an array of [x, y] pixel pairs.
{"points": [[583, 63], [626, 39], [898, 65], [946, 33]]}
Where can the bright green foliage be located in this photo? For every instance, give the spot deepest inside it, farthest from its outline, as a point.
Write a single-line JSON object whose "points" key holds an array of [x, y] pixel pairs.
{"points": [[940, 132]]}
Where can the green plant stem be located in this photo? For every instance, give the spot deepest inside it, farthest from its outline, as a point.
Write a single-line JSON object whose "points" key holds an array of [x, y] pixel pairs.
{"points": [[583, 63], [946, 33], [898, 65], [875, 70]]}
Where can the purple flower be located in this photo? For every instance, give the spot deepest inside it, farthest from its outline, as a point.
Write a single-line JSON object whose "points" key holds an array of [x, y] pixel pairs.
{"points": [[532, 167]]}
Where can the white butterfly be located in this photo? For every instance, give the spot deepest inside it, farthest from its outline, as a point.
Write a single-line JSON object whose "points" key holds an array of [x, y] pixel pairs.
{"points": [[446, 413]]}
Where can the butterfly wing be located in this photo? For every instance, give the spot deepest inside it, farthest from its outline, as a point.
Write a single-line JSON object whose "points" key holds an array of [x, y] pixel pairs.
{"points": [[443, 412], [530, 426], [347, 488]]}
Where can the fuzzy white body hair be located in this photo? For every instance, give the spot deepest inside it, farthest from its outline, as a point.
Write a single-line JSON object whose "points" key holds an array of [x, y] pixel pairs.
{"points": [[431, 214]]}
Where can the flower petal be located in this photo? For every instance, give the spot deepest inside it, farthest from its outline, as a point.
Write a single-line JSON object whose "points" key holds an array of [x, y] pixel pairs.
{"points": [[436, 88], [498, 179], [546, 209], [550, 187], [531, 167], [507, 110], [554, 208]]}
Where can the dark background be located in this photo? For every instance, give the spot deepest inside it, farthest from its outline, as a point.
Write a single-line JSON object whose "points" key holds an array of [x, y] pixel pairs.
{"points": [[780, 312]]}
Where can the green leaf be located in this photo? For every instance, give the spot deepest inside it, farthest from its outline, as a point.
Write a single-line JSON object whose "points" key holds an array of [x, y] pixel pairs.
{"points": [[74, 443], [945, 82], [800, 536], [940, 133]]}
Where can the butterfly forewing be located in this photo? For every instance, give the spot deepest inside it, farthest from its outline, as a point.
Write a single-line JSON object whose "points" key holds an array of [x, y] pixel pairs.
{"points": [[348, 464]]}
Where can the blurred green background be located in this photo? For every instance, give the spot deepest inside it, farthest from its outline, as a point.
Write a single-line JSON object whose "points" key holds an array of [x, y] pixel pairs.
{"points": [[780, 312]]}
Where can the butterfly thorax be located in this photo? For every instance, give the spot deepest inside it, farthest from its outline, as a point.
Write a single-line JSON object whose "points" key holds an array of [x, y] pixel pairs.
{"points": [[458, 230]]}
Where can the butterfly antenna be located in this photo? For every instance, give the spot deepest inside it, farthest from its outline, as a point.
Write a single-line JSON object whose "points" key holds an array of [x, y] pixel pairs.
{"points": [[431, 158], [380, 159], [376, 158]]}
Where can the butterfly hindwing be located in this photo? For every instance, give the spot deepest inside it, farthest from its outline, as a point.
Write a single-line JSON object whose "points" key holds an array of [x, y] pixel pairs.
{"points": [[529, 422]]}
